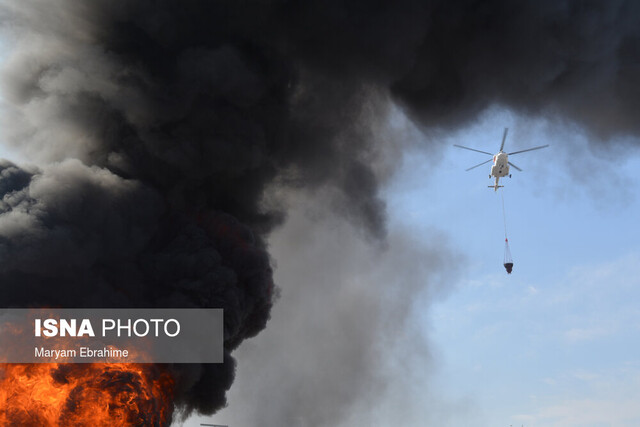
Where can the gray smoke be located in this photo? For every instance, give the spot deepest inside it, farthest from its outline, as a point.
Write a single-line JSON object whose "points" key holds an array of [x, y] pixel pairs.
{"points": [[158, 125], [345, 332]]}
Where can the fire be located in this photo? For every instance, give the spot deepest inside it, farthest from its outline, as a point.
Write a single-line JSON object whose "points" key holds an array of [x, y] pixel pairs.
{"points": [[116, 394]]}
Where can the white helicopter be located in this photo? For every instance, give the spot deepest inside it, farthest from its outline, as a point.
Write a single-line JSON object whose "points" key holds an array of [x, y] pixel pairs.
{"points": [[501, 161]]}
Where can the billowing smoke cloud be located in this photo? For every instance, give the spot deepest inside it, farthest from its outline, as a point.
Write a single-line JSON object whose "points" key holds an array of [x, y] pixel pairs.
{"points": [[158, 125], [345, 333]]}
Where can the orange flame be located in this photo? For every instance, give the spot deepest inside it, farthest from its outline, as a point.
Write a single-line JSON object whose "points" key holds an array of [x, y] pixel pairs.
{"points": [[116, 394]]}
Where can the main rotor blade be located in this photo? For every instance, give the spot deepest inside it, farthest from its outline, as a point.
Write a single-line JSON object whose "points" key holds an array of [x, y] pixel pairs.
{"points": [[504, 137], [479, 164], [472, 149], [515, 166], [528, 149]]}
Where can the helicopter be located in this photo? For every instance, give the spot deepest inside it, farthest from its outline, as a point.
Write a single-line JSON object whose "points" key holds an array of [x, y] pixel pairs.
{"points": [[501, 163]]}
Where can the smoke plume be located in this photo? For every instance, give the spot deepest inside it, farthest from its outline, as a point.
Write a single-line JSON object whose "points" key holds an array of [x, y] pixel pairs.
{"points": [[157, 126]]}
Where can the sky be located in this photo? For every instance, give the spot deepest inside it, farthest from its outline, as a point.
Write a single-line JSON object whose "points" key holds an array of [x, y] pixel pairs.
{"points": [[556, 342]]}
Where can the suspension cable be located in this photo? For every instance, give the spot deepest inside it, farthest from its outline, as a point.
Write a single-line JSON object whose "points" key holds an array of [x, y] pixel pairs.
{"points": [[504, 215]]}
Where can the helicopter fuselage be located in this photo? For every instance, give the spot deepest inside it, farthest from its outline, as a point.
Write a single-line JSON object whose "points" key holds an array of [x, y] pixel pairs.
{"points": [[500, 167]]}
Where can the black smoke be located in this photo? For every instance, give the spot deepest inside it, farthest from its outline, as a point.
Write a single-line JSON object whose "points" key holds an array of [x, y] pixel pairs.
{"points": [[158, 126]]}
